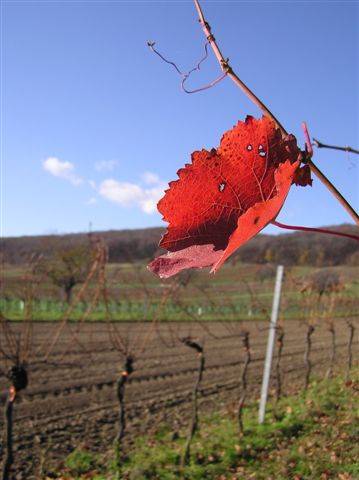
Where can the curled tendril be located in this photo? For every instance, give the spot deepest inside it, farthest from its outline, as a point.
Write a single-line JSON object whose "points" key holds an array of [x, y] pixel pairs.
{"points": [[186, 75]]}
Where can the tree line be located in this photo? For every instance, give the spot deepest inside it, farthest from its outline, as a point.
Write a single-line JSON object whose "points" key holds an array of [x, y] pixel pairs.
{"points": [[142, 244]]}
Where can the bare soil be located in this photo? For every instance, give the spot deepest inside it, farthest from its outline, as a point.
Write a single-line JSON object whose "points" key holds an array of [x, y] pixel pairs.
{"points": [[71, 399]]}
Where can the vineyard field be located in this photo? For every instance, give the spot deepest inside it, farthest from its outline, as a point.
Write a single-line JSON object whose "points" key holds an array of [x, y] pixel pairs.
{"points": [[71, 398]]}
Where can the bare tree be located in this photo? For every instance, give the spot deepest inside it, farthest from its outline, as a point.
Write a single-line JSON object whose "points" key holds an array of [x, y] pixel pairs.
{"points": [[323, 281], [68, 267]]}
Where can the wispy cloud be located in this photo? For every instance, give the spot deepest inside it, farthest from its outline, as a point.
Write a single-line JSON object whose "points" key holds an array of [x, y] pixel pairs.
{"points": [[106, 165], [144, 195], [151, 178], [151, 198], [122, 193], [62, 169], [131, 194]]}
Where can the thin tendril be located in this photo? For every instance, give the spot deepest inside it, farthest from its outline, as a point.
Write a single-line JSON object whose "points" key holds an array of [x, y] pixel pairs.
{"points": [[198, 66], [151, 45], [205, 87], [186, 75]]}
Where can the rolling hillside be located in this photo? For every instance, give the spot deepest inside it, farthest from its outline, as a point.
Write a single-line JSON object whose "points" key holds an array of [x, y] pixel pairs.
{"points": [[132, 245]]}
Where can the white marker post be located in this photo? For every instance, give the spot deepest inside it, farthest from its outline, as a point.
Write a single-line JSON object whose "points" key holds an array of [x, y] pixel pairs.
{"points": [[270, 344]]}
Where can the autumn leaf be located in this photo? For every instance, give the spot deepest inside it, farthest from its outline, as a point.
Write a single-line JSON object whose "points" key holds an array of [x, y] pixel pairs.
{"points": [[227, 195]]}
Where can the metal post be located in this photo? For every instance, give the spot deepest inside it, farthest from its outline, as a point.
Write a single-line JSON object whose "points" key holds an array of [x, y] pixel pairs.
{"points": [[270, 344]]}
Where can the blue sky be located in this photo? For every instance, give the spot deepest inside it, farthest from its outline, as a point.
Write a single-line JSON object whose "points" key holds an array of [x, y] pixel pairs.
{"points": [[94, 124]]}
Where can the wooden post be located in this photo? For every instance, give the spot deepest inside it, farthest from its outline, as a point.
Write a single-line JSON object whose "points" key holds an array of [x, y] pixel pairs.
{"points": [[270, 344]]}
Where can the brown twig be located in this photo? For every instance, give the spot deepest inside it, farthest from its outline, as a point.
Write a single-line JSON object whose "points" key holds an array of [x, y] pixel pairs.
{"points": [[329, 373], [280, 344], [225, 66], [19, 380], [8, 441], [319, 144], [307, 360], [350, 348], [224, 63], [194, 421], [247, 361], [120, 391]]}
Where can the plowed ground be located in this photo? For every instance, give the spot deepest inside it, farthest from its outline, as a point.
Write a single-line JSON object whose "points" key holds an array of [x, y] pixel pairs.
{"points": [[71, 399]]}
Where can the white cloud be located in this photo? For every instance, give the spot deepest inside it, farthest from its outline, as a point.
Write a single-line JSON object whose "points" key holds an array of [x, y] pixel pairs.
{"points": [[130, 194], [106, 165], [122, 193], [61, 169], [151, 178], [151, 197], [126, 194]]}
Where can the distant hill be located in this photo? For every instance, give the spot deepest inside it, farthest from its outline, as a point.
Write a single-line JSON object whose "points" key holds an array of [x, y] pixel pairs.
{"points": [[131, 245]]}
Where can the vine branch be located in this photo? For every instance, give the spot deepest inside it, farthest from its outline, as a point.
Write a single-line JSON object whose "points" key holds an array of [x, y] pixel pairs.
{"points": [[225, 66], [319, 144]]}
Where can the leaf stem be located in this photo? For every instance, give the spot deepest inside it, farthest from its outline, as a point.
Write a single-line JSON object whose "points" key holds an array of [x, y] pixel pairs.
{"points": [[224, 63], [313, 229], [308, 144]]}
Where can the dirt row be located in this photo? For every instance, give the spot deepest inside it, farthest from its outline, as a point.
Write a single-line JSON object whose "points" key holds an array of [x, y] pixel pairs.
{"points": [[72, 402]]}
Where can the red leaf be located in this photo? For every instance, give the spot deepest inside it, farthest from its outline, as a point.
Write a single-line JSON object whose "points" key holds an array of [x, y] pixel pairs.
{"points": [[302, 176], [226, 196], [197, 256]]}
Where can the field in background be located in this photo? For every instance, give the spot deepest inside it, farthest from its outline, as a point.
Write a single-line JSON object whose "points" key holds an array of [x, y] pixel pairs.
{"points": [[240, 291], [75, 354]]}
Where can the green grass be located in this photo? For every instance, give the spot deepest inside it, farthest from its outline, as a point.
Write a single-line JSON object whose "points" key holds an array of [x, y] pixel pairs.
{"points": [[171, 313], [80, 461], [310, 436], [224, 296]]}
